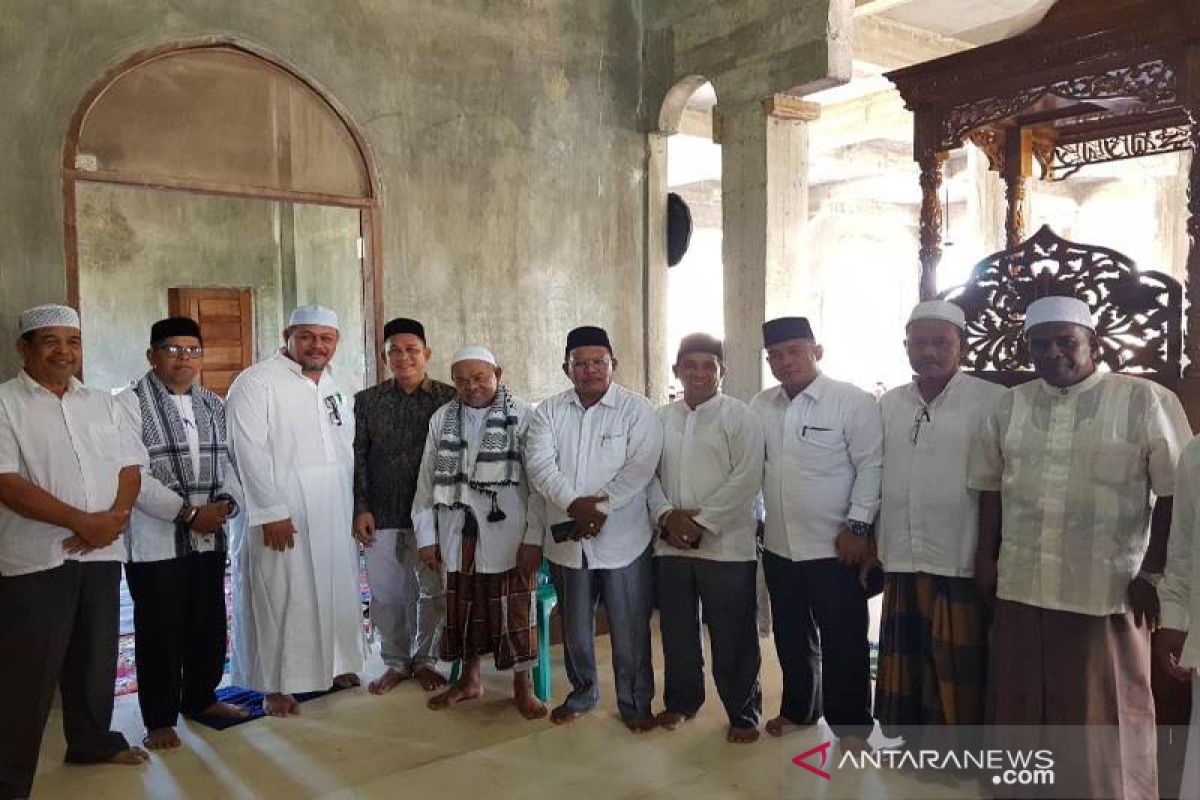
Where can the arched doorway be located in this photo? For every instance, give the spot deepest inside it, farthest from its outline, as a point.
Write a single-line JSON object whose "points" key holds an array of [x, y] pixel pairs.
{"points": [[210, 179]]}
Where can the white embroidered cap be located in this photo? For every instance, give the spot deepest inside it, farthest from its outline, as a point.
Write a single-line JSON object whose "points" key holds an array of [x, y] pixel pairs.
{"points": [[1058, 309], [314, 315], [50, 315], [939, 309], [474, 353]]}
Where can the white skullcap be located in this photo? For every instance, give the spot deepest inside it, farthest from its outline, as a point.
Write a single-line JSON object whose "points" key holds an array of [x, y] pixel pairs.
{"points": [[1058, 309], [474, 354], [313, 315], [50, 315], [940, 309]]}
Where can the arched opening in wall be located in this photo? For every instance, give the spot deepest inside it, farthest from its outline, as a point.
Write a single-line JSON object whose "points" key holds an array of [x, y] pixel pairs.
{"points": [[695, 296], [213, 182]]}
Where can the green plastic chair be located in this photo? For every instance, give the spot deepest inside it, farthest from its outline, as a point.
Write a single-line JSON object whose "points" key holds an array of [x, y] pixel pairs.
{"points": [[547, 598]]}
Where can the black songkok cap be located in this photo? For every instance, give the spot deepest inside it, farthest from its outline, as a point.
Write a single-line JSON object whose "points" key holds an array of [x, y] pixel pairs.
{"points": [[587, 336], [784, 328], [700, 343], [173, 326], [404, 325]]}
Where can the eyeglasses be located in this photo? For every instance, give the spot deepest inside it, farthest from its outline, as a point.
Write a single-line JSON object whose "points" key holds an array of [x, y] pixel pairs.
{"points": [[922, 416], [179, 351], [584, 364]]}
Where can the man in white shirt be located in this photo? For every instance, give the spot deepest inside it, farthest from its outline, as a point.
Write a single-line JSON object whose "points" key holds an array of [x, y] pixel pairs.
{"points": [[298, 607], [933, 634], [177, 535], [706, 553], [68, 479], [1176, 651], [1066, 465], [821, 487], [477, 522], [591, 452]]}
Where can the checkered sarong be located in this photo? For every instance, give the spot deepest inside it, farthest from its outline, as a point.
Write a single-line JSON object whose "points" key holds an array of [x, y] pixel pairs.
{"points": [[488, 613], [933, 652]]}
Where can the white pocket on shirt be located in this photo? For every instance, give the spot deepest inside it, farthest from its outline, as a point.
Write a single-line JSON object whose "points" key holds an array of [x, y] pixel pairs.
{"points": [[105, 440], [1115, 462], [612, 449]]}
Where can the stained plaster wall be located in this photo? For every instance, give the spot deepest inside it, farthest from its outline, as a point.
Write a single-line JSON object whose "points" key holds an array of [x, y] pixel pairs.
{"points": [[505, 135]]}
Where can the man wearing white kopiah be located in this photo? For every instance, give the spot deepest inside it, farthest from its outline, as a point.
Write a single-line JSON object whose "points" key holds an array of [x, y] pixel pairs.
{"points": [[298, 623], [475, 519]]}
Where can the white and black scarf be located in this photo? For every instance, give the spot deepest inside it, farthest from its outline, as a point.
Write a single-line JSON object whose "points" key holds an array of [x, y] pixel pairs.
{"points": [[497, 464], [166, 439]]}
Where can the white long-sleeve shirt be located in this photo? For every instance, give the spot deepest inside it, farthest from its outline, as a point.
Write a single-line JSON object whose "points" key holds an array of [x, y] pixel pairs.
{"points": [[609, 449], [73, 447], [712, 460], [1178, 590], [929, 520], [824, 465], [152, 521], [524, 511]]}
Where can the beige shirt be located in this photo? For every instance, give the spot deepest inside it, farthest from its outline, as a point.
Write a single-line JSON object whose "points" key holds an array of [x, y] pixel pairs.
{"points": [[929, 518], [1075, 468]]}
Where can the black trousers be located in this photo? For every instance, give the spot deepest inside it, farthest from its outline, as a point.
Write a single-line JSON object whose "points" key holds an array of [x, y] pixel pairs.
{"points": [[726, 590], [819, 617], [180, 631], [59, 628]]}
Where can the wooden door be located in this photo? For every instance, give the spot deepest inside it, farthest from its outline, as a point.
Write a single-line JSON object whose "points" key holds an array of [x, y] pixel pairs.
{"points": [[227, 325]]}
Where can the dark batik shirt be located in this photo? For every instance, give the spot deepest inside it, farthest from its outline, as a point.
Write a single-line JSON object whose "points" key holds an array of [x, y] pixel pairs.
{"points": [[389, 440]]}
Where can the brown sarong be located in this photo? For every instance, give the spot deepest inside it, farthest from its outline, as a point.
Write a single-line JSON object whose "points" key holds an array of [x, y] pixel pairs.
{"points": [[489, 613], [932, 653], [1054, 669]]}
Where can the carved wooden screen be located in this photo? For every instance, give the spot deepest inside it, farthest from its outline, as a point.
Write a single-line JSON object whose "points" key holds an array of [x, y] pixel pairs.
{"points": [[1139, 315]]}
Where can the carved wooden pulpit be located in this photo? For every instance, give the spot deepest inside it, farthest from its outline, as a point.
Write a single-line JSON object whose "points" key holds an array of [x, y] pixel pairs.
{"points": [[1094, 81]]}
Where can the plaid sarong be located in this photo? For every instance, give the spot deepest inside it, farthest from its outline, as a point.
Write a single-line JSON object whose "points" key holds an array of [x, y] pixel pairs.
{"points": [[488, 613], [932, 654]]}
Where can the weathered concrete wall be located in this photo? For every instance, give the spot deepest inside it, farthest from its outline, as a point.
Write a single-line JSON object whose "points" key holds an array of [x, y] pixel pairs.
{"points": [[506, 136], [135, 244]]}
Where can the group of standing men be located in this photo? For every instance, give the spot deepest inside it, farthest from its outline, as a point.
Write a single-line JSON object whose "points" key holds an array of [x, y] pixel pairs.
{"points": [[1048, 504]]}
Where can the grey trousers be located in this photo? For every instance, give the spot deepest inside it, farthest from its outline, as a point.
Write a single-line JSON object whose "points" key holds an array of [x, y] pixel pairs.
{"points": [[626, 593], [408, 602], [727, 592], [59, 628]]}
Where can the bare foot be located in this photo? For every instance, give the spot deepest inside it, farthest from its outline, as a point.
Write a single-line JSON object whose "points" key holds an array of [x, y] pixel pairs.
{"points": [[225, 711], [458, 692], [670, 719], [429, 678], [640, 724], [388, 681], [741, 735], [346, 681], [563, 715], [781, 725], [161, 739], [527, 702], [130, 756], [280, 705]]}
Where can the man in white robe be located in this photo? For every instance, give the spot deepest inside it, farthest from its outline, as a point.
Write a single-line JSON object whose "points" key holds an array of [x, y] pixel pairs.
{"points": [[298, 623], [476, 520]]}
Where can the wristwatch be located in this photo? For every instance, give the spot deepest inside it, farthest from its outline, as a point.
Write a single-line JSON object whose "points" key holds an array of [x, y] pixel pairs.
{"points": [[859, 528], [187, 514]]}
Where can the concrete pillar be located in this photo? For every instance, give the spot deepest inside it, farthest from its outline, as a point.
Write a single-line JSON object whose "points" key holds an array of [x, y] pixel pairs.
{"points": [[656, 288], [764, 203]]}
